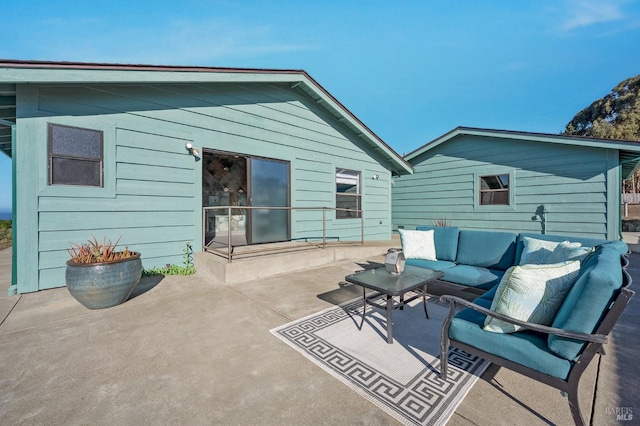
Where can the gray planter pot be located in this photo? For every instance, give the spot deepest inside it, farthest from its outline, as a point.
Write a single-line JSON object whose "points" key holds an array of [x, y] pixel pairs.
{"points": [[102, 285]]}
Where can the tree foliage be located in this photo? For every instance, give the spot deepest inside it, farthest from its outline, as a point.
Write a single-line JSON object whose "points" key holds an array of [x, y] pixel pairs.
{"points": [[615, 116]]}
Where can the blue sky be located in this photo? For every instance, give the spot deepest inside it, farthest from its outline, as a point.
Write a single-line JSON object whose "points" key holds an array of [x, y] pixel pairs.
{"points": [[410, 70]]}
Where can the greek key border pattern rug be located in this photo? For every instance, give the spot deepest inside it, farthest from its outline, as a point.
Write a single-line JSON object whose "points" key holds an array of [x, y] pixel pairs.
{"points": [[416, 395]]}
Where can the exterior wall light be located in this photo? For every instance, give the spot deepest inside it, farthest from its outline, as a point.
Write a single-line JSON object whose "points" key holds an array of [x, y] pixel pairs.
{"points": [[375, 177], [191, 150]]}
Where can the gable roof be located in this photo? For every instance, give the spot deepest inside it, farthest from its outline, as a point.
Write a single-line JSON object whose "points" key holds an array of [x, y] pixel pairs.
{"points": [[629, 151], [14, 72]]}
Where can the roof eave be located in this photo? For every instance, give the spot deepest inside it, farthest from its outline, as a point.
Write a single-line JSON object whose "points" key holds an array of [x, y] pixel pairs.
{"points": [[626, 145], [48, 72]]}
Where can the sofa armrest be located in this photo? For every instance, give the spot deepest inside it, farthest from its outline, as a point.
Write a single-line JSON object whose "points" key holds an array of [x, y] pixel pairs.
{"points": [[453, 301]]}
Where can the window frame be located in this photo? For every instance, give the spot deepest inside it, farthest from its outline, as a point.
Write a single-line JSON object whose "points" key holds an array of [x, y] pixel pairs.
{"points": [[494, 191], [494, 171], [340, 215], [51, 156]]}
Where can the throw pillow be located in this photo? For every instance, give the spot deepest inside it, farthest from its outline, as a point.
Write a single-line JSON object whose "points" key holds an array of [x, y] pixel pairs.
{"points": [[541, 252], [536, 251], [418, 244], [531, 293], [569, 251]]}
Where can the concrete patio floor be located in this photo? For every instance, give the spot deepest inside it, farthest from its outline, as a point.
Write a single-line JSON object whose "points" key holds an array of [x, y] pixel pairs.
{"points": [[193, 350]]}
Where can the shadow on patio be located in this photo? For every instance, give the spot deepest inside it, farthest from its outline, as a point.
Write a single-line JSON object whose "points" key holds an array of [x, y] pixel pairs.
{"points": [[193, 349]]}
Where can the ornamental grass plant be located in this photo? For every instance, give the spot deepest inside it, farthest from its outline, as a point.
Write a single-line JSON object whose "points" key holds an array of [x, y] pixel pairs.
{"points": [[94, 251]]}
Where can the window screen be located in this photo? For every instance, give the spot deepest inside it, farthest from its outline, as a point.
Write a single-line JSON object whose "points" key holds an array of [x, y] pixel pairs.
{"points": [[348, 194], [494, 190], [75, 156]]}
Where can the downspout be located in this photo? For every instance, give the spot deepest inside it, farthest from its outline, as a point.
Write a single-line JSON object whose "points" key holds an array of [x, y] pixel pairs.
{"points": [[621, 238], [620, 204]]}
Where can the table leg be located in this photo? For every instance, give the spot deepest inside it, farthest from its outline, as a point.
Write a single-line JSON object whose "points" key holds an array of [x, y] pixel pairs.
{"points": [[424, 300], [364, 307], [389, 321]]}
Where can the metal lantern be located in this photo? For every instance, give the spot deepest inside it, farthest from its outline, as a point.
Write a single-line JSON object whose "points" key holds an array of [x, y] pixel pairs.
{"points": [[394, 261]]}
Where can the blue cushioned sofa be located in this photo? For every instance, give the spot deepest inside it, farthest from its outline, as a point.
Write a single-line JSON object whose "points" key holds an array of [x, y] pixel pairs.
{"points": [[478, 259], [557, 354]]}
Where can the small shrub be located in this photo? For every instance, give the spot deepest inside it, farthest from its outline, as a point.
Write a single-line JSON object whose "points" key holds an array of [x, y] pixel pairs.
{"points": [[187, 269]]}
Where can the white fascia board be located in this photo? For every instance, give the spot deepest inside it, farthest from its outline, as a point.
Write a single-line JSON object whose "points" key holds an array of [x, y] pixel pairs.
{"points": [[59, 75], [543, 138]]}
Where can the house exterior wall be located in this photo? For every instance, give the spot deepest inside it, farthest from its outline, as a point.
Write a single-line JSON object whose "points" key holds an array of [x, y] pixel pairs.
{"points": [[577, 186], [152, 193]]}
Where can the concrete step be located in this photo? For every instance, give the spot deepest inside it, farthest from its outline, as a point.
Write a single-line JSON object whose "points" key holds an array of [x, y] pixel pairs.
{"points": [[283, 258]]}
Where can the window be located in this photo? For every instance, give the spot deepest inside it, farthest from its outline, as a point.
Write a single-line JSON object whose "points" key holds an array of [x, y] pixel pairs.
{"points": [[348, 193], [75, 156], [494, 190]]}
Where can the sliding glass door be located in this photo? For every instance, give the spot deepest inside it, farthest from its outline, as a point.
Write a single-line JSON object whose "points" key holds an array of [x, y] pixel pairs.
{"points": [[268, 187], [236, 180]]}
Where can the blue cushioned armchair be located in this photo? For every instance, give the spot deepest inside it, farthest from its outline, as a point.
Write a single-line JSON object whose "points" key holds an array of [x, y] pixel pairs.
{"points": [[558, 354]]}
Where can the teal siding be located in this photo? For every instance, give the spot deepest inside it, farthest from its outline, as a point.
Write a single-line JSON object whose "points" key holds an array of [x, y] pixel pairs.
{"points": [[152, 194], [575, 184]]}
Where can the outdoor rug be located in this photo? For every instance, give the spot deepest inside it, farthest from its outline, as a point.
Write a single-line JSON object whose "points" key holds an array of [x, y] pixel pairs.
{"points": [[401, 378]]}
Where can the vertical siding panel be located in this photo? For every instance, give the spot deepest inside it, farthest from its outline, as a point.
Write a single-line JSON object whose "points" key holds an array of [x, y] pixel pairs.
{"points": [[27, 186]]}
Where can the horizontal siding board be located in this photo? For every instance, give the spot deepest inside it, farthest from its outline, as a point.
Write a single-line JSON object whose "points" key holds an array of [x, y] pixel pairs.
{"points": [[570, 181], [166, 189], [576, 207], [154, 173], [121, 204], [150, 140], [61, 240], [57, 259], [52, 221], [523, 217], [161, 106], [183, 160], [252, 109], [575, 190], [585, 198], [156, 205], [439, 189], [205, 119]]}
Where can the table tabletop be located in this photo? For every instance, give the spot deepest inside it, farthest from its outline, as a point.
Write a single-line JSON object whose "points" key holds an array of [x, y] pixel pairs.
{"points": [[381, 280]]}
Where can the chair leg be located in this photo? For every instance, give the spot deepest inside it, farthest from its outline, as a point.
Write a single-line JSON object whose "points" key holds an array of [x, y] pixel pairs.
{"points": [[574, 405], [444, 361], [445, 341]]}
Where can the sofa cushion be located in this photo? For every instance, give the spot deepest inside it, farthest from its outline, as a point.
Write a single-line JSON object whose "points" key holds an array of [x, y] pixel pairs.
{"points": [[473, 276], [418, 244], [619, 246], [599, 279], [531, 293], [446, 240], [436, 265], [524, 347], [486, 249]]}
